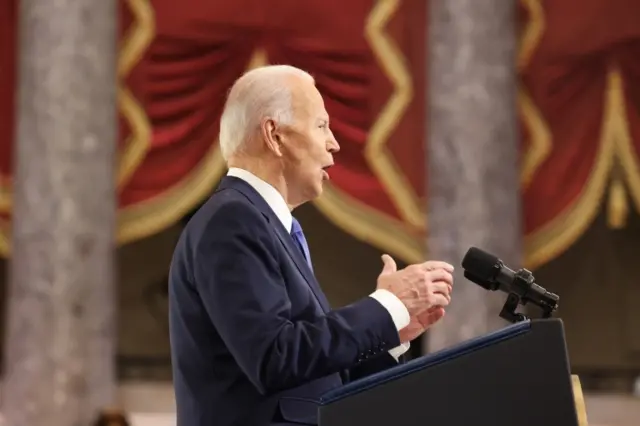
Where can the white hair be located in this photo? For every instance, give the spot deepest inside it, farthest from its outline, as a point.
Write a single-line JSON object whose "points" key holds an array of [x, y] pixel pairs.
{"points": [[259, 93]]}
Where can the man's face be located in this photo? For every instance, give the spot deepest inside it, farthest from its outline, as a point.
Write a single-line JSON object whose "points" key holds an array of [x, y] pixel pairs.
{"points": [[307, 145]]}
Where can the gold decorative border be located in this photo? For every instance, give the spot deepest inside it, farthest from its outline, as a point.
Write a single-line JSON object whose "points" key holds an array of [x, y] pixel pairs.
{"points": [[355, 217], [348, 213], [5, 194], [370, 226], [136, 42], [5, 232], [540, 145], [626, 152], [540, 135], [563, 231], [376, 152], [148, 217], [532, 33]]}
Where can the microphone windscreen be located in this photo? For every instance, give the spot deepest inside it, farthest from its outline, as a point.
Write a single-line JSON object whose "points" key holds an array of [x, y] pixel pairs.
{"points": [[480, 264]]}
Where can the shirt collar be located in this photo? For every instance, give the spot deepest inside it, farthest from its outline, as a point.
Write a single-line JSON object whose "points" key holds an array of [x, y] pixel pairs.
{"points": [[271, 195]]}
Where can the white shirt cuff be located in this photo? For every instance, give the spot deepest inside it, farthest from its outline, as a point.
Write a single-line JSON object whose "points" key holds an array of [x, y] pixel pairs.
{"points": [[399, 350], [399, 315], [397, 310]]}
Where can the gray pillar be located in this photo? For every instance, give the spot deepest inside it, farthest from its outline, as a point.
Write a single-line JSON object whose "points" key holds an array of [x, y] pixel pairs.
{"points": [[473, 152], [60, 340]]}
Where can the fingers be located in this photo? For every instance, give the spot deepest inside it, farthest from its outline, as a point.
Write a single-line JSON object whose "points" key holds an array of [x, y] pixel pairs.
{"points": [[442, 288], [434, 315], [440, 275], [438, 299], [431, 316], [437, 264]]}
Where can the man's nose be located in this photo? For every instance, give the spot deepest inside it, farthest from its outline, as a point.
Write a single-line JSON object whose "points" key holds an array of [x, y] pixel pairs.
{"points": [[332, 145]]}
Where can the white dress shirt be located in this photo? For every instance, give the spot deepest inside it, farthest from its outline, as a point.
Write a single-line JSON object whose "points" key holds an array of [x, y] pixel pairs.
{"points": [[274, 199]]}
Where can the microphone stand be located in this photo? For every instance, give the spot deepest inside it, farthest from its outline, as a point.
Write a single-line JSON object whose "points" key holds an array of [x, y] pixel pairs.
{"points": [[523, 280], [508, 311]]}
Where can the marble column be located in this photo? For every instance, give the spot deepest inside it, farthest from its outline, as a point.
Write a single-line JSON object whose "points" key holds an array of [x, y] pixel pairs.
{"points": [[59, 359], [473, 153]]}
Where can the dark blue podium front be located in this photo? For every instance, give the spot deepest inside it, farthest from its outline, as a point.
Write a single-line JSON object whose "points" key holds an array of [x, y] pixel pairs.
{"points": [[516, 376]]}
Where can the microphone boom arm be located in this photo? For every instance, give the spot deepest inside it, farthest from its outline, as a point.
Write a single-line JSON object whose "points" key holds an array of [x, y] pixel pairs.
{"points": [[519, 295]]}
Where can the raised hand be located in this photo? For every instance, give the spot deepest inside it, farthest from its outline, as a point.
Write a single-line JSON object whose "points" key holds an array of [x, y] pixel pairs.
{"points": [[425, 290]]}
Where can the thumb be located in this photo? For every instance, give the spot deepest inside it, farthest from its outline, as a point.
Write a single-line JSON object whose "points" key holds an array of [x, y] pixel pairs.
{"points": [[389, 264]]}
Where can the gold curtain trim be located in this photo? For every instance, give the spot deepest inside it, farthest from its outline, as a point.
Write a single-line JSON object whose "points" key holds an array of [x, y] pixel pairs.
{"points": [[532, 33], [135, 43], [369, 225], [617, 206], [5, 246], [540, 139], [540, 136], [626, 152], [151, 216], [355, 217], [5, 194], [376, 151], [133, 46], [559, 234]]}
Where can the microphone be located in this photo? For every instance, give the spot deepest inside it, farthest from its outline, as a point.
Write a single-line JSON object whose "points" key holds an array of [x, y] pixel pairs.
{"points": [[489, 272]]}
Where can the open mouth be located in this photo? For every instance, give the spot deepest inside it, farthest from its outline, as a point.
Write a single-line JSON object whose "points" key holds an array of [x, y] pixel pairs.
{"points": [[325, 172]]}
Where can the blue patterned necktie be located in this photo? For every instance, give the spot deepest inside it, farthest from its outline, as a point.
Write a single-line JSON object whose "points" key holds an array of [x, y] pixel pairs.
{"points": [[301, 241]]}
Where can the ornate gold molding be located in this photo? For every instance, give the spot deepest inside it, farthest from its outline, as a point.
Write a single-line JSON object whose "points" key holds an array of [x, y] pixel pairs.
{"points": [[134, 44], [561, 232], [376, 152], [540, 136]]}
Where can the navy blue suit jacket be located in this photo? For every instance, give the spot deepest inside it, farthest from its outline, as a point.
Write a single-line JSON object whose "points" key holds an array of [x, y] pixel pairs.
{"points": [[253, 339]]}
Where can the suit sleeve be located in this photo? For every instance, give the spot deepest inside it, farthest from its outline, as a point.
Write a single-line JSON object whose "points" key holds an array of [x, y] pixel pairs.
{"points": [[374, 365], [238, 277]]}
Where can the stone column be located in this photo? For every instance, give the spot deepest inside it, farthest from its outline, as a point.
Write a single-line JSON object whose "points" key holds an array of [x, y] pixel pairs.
{"points": [[59, 363], [473, 152]]}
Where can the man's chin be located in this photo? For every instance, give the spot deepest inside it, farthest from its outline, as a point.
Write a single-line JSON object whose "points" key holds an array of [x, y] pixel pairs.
{"points": [[317, 190]]}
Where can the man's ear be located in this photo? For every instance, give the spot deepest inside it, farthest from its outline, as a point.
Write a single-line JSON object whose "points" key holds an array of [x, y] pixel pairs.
{"points": [[272, 136]]}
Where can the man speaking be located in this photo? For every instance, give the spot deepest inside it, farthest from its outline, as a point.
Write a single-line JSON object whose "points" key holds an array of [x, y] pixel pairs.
{"points": [[253, 339]]}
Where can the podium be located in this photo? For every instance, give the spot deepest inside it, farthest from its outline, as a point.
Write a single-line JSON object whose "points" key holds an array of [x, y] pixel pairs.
{"points": [[516, 376]]}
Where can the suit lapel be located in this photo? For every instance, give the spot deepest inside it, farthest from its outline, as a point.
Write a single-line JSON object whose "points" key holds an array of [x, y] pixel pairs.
{"points": [[283, 235], [301, 264]]}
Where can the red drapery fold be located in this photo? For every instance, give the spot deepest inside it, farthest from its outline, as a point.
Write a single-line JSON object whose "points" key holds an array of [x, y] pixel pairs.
{"points": [[579, 105], [581, 126], [8, 34], [176, 65]]}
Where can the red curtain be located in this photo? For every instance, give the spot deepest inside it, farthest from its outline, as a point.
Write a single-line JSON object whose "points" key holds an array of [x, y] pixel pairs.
{"points": [[579, 101], [580, 74], [176, 65], [7, 116]]}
